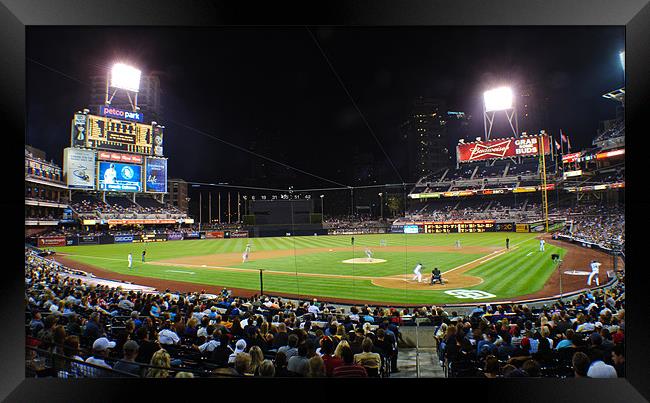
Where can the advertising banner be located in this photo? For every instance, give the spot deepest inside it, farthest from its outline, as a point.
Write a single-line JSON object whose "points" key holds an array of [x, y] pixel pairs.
{"points": [[522, 228], [111, 112], [79, 168], [79, 129], [71, 241], [51, 241], [123, 238], [239, 234], [504, 227], [125, 221], [156, 175], [88, 240], [157, 140], [119, 157], [501, 148], [411, 229], [150, 238], [214, 234], [119, 177], [570, 157], [175, 236], [192, 235]]}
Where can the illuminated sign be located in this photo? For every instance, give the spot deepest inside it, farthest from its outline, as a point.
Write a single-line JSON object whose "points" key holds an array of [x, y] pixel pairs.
{"points": [[410, 229], [118, 157], [79, 168], [501, 148], [119, 177], [610, 154], [118, 135], [111, 112], [570, 157], [570, 174], [524, 189], [156, 179]]}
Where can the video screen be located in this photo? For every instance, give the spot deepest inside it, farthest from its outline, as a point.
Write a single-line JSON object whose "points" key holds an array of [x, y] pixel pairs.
{"points": [[119, 177]]}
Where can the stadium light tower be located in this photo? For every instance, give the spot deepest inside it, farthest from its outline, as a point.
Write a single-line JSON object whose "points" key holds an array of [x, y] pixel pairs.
{"points": [[126, 78], [497, 100]]}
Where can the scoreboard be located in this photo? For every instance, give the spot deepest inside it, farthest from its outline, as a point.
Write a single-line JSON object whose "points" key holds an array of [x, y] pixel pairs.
{"points": [[458, 226], [119, 135]]}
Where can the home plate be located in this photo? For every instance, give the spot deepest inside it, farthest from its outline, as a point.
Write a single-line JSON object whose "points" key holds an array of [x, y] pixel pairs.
{"points": [[363, 260], [178, 271]]}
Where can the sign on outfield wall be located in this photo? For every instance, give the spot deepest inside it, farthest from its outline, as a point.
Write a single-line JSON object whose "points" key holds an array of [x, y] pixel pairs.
{"points": [[501, 148], [51, 241], [214, 234], [79, 168]]}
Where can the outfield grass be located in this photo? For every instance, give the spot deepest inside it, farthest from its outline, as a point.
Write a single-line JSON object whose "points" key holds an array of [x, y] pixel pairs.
{"points": [[522, 271]]}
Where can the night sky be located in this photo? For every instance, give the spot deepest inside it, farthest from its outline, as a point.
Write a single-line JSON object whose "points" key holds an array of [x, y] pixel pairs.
{"points": [[248, 84]]}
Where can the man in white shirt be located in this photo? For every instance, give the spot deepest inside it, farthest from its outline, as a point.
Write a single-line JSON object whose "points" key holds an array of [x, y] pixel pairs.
{"points": [[313, 309], [109, 175], [168, 336], [541, 245], [100, 350], [598, 369], [130, 259], [595, 266]]}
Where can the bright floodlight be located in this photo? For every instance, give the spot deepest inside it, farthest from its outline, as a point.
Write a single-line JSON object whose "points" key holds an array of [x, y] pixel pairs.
{"points": [[498, 99], [125, 77], [622, 57]]}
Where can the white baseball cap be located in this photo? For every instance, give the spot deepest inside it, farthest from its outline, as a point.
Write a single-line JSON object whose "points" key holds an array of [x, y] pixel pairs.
{"points": [[102, 344], [240, 346]]}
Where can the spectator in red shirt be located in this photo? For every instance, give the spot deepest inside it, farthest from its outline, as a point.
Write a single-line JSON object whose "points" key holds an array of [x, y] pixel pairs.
{"points": [[327, 349], [349, 369]]}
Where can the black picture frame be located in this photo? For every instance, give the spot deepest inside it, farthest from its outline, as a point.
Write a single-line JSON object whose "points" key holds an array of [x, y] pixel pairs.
{"points": [[15, 15]]}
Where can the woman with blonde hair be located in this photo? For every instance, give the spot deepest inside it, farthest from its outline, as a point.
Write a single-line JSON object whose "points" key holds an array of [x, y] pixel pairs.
{"points": [[339, 347], [162, 362], [257, 357], [316, 367]]}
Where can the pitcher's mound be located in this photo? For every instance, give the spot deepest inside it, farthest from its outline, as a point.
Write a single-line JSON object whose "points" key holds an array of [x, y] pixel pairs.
{"points": [[364, 260]]}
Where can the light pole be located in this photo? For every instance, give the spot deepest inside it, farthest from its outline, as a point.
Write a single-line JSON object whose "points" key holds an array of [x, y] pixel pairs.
{"points": [[381, 204], [496, 100], [322, 207]]}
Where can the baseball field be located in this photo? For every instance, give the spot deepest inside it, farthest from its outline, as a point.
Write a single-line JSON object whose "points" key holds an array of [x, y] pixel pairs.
{"points": [[330, 267]]}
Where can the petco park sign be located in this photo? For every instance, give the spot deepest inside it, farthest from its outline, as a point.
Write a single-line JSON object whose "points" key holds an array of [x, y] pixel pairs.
{"points": [[501, 148], [120, 114]]}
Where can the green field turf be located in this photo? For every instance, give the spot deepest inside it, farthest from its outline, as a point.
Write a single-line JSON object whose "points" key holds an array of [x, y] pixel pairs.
{"points": [[521, 271]]}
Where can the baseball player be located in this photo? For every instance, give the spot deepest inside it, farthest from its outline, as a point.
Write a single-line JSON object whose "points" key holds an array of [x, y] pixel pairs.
{"points": [[458, 243], [369, 254], [541, 245], [507, 243], [144, 252], [246, 252], [417, 272], [130, 259], [595, 266]]}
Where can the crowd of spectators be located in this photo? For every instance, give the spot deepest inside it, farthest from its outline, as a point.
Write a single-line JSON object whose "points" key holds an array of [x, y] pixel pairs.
{"points": [[94, 208], [581, 338], [78, 330], [601, 225]]}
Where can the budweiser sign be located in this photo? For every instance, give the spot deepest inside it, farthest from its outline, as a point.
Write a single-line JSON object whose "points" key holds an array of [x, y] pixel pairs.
{"points": [[501, 148]]}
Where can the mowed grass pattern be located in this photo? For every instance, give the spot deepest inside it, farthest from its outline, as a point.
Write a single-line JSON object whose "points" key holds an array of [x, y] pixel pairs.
{"points": [[521, 271]]}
